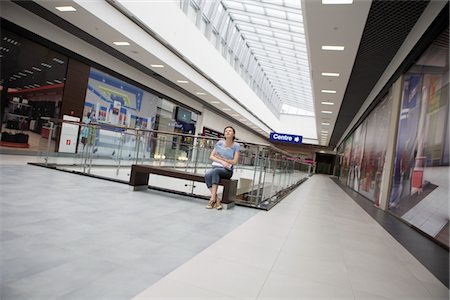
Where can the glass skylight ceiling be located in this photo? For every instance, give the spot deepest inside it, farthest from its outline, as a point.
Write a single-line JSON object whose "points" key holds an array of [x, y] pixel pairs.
{"points": [[264, 41]]}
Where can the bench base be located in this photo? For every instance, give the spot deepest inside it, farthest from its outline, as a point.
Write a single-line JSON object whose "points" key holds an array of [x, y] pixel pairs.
{"points": [[146, 187]]}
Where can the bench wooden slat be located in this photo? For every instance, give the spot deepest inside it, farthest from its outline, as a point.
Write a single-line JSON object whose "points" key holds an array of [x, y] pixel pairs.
{"points": [[140, 176]]}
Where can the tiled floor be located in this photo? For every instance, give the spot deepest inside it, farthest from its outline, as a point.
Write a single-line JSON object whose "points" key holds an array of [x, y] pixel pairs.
{"points": [[73, 237], [65, 236], [317, 243]]}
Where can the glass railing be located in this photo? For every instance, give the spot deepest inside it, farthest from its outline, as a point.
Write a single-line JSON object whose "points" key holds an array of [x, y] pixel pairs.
{"points": [[265, 174]]}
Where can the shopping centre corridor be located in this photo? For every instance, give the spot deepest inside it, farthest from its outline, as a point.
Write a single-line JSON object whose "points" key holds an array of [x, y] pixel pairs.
{"points": [[66, 236]]}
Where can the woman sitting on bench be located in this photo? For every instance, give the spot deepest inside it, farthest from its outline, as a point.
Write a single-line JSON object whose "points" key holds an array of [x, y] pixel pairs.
{"points": [[224, 156]]}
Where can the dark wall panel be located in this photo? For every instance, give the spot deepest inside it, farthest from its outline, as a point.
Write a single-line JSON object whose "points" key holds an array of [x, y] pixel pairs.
{"points": [[75, 88]]}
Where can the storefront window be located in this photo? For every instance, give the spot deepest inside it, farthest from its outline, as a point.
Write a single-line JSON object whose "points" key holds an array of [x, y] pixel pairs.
{"points": [[32, 83]]}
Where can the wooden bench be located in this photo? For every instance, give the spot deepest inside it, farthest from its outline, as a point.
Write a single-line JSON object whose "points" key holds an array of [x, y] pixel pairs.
{"points": [[140, 176]]}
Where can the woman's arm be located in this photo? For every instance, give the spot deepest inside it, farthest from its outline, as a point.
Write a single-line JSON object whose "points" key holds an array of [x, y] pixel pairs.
{"points": [[233, 161], [217, 158]]}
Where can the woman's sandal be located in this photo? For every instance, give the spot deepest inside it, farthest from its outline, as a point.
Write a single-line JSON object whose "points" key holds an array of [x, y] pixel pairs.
{"points": [[212, 202], [218, 204]]}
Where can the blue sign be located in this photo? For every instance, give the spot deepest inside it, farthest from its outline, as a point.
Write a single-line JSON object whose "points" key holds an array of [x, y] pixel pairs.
{"points": [[286, 138]]}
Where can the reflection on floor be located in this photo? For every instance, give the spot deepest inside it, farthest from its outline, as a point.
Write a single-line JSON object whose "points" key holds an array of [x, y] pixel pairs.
{"points": [[66, 236]]}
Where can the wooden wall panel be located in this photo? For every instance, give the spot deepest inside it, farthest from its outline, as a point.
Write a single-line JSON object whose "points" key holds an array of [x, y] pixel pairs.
{"points": [[75, 88]]}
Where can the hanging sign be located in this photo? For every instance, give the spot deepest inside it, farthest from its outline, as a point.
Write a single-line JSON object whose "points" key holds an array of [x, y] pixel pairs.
{"points": [[285, 138]]}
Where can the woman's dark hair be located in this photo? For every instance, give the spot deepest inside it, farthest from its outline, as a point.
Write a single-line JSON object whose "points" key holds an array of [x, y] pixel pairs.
{"points": [[234, 131]]}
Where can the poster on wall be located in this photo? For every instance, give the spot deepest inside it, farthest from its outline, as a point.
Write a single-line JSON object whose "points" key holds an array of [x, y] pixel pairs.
{"points": [[420, 192], [346, 159], [357, 149], [406, 139], [377, 132]]}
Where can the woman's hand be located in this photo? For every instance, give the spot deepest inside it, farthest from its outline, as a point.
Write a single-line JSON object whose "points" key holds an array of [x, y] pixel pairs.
{"points": [[227, 165]]}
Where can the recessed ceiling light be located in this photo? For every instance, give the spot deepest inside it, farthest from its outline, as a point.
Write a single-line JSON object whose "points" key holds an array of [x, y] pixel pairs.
{"points": [[328, 91], [200, 93], [327, 103], [121, 43], [215, 102], [226, 109], [157, 66], [65, 8], [326, 112], [182, 81], [333, 48], [36, 69], [330, 74], [337, 1], [325, 123], [235, 115]]}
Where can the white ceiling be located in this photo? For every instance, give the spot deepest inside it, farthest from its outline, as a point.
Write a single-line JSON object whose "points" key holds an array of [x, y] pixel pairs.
{"points": [[324, 25]]}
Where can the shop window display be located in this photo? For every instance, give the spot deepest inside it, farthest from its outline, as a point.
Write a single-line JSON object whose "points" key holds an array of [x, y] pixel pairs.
{"points": [[115, 102], [32, 81]]}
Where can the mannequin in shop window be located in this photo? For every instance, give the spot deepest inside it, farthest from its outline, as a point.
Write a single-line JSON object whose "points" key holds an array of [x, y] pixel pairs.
{"points": [[224, 156]]}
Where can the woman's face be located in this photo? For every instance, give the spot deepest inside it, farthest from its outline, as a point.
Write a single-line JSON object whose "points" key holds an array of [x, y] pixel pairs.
{"points": [[228, 132]]}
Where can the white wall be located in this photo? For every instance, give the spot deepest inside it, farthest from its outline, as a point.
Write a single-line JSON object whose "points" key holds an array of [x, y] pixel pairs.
{"points": [[300, 125], [217, 123]]}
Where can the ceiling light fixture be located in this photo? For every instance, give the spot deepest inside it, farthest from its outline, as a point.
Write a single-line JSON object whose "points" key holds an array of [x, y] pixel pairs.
{"points": [[327, 103], [121, 43], [157, 66], [215, 102], [326, 112], [182, 81], [324, 131], [333, 48], [226, 109], [330, 74], [337, 1], [36, 69], [328, 91], [200, 93], [65, 8], [325, 123]]}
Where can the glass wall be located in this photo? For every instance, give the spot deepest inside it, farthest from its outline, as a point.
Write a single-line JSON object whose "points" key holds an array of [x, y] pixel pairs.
{"points": [[32, 83], [420, 192]]}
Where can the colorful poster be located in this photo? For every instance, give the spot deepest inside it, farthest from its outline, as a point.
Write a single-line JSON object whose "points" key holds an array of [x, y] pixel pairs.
{"points": [[377, 132]]}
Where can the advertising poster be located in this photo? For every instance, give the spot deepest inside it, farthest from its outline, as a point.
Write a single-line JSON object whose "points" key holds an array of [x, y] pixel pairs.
{"points": [[377, 132], [406, 139], [354, 171], [420, 192], [346, 160]]}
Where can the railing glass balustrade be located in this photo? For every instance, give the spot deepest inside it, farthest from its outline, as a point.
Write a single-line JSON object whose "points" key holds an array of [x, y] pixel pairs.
{"points": [[264, 173]]}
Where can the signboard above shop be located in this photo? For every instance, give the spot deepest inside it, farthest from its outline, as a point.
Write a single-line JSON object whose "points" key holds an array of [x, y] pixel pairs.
{"points": [[285, 138]]}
